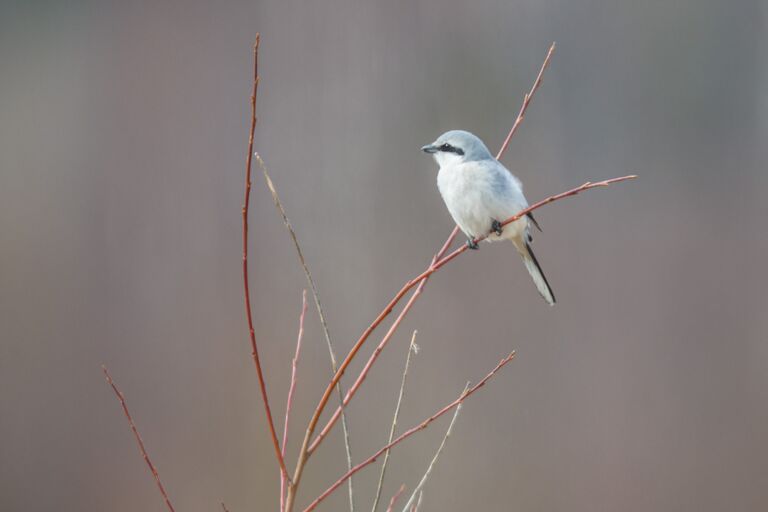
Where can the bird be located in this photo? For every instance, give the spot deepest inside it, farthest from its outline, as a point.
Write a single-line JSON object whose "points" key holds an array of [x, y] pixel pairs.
{"points": [[480, 193]]}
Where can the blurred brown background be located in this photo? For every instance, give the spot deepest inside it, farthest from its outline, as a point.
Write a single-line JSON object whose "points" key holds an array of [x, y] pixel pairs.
{"points": [[123, 130]]}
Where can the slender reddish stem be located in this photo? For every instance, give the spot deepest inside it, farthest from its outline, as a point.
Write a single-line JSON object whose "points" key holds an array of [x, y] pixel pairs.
{"points": [[421, 280], [408, 433], [305, 449], [394, 499], [291, 389], [364, 372], [526, 102], [136, 434], [586, 186], [248, 314]]}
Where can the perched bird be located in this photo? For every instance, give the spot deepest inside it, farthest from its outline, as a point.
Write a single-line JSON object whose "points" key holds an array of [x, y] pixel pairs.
{"points": [[480, 193]]}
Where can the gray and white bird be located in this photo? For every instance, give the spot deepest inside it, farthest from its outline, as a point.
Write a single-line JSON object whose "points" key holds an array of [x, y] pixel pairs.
{"points": [[480, 193]]}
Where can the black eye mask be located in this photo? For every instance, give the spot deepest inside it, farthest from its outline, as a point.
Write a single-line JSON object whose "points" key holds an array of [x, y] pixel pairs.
{"points": [[451, 149]]}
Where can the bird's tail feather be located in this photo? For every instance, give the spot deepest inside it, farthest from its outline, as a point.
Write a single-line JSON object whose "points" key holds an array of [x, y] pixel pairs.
{"points": [[539, 279]]}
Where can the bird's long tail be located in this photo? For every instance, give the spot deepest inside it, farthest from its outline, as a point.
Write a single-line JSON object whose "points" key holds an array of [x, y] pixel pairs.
{"points": [[532, 264]]}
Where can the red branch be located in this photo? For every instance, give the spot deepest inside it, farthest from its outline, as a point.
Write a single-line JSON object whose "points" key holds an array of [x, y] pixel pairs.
{"points": [[324, 400], [526, 101], [408, 433], [586, 186], [394, 499], [138, 438], [249, 316], [364, 372], [291, 389], [421, 280]]}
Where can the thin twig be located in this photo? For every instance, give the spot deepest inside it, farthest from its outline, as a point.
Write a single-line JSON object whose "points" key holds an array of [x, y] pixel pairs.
{"points": [[411, 350], [526, 101], [224, 507], [143, 450], [420, 487], [417, 506], [574, 191], [408, 433], [368, 365], [248, 314], [320, 314], [394, 499], [291, 389], [420, 280]]}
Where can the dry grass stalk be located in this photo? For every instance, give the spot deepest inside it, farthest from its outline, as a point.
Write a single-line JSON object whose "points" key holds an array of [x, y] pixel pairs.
{"points": [[408, 433], [417, 506], [368, 365], [420, 487], [320, 314], [412, 349]]}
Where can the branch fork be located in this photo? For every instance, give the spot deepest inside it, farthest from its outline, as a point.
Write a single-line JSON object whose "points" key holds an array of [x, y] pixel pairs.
{"points": [[290, 484]]}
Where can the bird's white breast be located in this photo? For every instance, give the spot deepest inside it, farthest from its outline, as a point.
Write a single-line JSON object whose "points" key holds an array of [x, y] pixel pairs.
{"points": [[478, 192]]}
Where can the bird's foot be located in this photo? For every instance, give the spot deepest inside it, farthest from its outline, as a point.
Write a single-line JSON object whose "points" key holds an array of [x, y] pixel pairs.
{"points": [[472, 244], [496, 227]]}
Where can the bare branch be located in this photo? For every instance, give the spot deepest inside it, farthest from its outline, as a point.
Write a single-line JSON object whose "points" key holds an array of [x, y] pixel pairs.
{"points": [[246, 288], [136, 434], [408, 433], [526, 101], [411, 350], [421, 280], [574, 191], [394, 499], [291, 389], [368, 365]]}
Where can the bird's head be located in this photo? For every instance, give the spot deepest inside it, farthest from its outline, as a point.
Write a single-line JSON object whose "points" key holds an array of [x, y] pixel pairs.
{"points": [[457, 146]]}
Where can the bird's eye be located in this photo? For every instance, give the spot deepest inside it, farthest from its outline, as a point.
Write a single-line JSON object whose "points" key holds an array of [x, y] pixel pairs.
{"points": [[446, 147]]}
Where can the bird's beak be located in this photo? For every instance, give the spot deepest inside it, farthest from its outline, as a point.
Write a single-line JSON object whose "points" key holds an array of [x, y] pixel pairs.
{"points": [[429, 148]]}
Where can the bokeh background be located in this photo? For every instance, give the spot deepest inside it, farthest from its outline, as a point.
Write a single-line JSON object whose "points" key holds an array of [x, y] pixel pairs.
{"points": [[123, 129]]}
